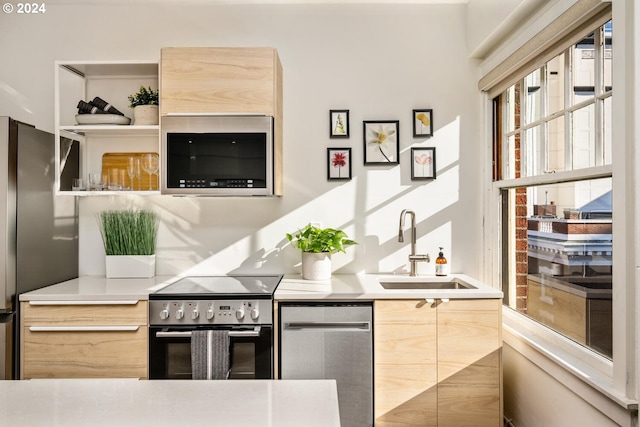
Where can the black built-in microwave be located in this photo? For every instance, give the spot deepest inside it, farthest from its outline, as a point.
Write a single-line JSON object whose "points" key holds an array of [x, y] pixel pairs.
{"points": [[217, 155]]}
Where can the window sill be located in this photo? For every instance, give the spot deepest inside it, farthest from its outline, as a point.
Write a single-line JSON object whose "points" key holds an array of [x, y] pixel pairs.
{"points": [[584, 372]]}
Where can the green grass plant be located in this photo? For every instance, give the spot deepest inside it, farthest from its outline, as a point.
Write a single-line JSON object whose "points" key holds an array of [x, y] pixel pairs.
{"points": [[129, 232]]}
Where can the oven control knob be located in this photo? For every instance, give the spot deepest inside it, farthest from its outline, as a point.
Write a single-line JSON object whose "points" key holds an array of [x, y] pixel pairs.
{"points": [[179, 314], [210, 314], [240, 313], [195, 313], [255, 313], [164, 314]]}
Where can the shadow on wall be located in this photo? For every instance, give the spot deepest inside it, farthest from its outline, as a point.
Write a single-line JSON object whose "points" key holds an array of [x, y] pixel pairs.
{"points": [[222, 235]]}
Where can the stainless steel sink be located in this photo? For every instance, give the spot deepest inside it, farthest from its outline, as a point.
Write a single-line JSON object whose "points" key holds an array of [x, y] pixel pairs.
{"points": [[424, 284]]}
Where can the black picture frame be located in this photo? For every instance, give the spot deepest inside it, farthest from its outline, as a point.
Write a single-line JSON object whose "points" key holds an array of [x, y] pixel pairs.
{"points": [[423, 163], [338, 123], [423, 122], [338, 168], [381, 142]]}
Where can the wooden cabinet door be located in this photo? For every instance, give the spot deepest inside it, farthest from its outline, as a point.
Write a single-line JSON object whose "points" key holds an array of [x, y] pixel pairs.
{"points": [[469, 363], [213, 80], [75, 353], [84, 340], [405, 371]]}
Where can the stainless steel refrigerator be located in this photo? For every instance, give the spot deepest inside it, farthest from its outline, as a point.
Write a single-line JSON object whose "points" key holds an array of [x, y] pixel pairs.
{"points": [[38, 230]]}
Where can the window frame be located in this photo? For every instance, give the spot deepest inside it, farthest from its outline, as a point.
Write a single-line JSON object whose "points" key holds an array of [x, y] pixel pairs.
{"points": [[593, 371]]}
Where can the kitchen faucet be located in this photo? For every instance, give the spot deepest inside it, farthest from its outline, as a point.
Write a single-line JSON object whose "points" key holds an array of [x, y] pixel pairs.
{"points": [[413, 258]]}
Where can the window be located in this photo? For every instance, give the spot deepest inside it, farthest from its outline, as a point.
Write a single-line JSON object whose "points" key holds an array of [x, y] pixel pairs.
{"points": [[552, 151]]}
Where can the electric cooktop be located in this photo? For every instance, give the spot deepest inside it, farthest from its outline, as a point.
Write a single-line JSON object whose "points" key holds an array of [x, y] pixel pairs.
{"points": [[242, 286]]}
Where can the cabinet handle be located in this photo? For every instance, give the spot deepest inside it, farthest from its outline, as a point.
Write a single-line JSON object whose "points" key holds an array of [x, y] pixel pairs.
{"points": [[444, 299], [83, 328], [88, 302], [430, 300], [328, 326]]}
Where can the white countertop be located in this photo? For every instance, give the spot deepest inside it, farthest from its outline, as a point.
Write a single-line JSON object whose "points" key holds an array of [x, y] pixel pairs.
{"points": [[170, 403], [292, 287], [99, 288], [368, 287]]}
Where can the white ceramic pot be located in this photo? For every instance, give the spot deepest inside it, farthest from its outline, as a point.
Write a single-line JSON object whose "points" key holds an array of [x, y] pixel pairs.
{"points": [[130, 266], [316, 266], [146, 115]]}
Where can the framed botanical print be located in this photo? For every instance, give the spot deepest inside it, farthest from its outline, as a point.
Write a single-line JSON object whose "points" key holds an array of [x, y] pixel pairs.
{"points": [[423, 163], [381, 142], [339, 163], [422, 122], [339, 123]]}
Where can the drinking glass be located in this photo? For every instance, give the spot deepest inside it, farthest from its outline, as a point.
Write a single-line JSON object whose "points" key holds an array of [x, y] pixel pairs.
{"points": [[77, 185], [95, 181], [150, 165], [138, 172], [114, 180], [131, 170]]}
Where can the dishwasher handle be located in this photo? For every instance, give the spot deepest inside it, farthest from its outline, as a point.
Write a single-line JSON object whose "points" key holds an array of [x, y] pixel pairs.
{"points": [[329, 326]]}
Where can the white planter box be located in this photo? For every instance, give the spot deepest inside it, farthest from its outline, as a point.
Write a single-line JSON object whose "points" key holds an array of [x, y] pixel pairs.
{"points": [[130, 266]]}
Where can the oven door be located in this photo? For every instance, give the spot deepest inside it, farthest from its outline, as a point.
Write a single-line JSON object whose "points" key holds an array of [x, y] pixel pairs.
{"points": [[250, 352]]}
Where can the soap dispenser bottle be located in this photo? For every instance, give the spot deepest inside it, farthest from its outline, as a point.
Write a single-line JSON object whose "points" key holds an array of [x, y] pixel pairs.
{"points": [[442, 268]]}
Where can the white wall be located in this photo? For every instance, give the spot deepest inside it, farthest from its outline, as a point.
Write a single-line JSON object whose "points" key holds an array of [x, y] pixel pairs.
{"points": [[378, 61]]}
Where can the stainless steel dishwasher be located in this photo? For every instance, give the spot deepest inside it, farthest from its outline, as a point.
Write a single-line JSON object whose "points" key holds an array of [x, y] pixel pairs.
{"points": [[331, 341]]}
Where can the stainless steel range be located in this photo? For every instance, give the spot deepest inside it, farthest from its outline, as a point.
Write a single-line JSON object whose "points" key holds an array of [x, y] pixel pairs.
{"points": [[241, 305]]}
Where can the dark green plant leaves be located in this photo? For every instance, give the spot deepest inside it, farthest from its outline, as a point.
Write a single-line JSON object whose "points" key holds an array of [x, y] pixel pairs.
{"points": [[316, 239], [144, 96]]}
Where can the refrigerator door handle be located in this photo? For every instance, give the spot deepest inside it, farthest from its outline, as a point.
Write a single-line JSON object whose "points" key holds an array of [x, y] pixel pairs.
{"points": [[6, 316]]}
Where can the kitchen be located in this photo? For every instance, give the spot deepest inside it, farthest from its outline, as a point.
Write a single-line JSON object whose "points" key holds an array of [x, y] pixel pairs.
{"points": [[379, 61]]}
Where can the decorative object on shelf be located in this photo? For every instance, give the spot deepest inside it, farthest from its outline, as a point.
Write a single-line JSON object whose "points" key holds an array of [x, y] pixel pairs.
{"points": [[339, 123], [129, 238], [97, 106], [99, 112], [423, 163], [317, 244], [423, 122], [102, 119], [381, 142], [145, 106], [339, 163]]}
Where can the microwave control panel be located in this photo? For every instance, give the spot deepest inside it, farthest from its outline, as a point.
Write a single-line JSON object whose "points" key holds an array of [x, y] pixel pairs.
{"points": [[219, 183]]}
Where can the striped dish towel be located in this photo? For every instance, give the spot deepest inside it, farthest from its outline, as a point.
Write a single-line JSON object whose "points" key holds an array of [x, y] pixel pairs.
{"points": [[210, 355]]}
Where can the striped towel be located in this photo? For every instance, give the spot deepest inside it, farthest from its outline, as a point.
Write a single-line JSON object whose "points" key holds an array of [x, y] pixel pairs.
{"points": [[210, 355]]}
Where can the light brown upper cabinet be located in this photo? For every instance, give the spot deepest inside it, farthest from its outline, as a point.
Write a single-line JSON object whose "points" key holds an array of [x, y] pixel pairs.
{"points": [[220, 80]]}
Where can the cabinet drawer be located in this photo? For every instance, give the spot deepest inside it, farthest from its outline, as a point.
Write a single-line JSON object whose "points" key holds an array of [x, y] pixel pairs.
{"points": [[84, 314], [85, 354]]}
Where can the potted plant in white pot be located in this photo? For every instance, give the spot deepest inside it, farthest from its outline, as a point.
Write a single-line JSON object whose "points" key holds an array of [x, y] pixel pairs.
{"points": [[129, 238], [145, 106], [317, 244]]}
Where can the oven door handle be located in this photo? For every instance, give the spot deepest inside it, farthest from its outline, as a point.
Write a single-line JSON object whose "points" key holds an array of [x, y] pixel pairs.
{"points": [[255, 332]]}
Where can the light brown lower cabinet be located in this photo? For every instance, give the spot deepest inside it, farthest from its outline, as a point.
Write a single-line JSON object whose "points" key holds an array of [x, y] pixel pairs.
{"points": [[84, 340], [438, 363]]}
